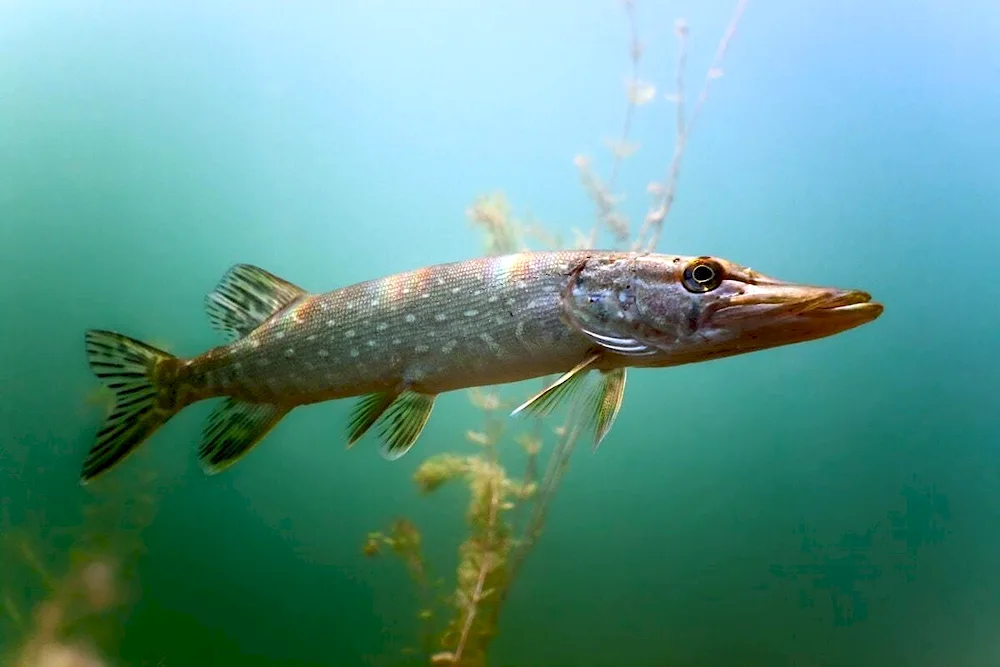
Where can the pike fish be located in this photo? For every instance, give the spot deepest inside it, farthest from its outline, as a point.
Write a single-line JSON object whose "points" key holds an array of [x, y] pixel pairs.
{"points": [[398, 342]]}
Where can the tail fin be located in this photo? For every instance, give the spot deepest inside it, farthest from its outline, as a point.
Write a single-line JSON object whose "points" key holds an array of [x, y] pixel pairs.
{"points": [[145, 397]]}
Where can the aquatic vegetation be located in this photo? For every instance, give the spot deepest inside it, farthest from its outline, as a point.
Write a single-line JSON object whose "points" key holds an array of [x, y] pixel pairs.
{"points": [[500, 537], [486, 558], [64, 591], [665, 193]]}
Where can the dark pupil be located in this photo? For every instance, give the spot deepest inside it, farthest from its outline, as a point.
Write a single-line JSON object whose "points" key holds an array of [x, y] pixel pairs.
{"points": [[702, 274]]}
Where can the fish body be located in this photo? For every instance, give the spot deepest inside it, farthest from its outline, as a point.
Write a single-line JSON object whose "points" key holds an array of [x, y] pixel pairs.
{"points": [[479, 322], [401, 340]]}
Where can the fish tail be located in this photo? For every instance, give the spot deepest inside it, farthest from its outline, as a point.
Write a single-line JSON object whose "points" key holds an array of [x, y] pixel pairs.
{"points": [[144, 381]]}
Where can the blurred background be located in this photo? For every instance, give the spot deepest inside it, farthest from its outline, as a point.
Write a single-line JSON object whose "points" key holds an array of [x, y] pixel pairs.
{"points": [[834, 503]]}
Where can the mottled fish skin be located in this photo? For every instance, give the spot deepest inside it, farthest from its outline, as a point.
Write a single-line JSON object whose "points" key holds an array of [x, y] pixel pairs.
{"points": [[479, 322], [401, 340]]}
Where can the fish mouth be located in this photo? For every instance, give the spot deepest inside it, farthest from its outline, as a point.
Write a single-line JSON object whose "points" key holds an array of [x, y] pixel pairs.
{"points": [[778, 313], [839, 303]]}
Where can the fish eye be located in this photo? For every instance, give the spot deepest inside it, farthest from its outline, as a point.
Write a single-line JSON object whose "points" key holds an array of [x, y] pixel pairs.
{"points": [[702, 275]]}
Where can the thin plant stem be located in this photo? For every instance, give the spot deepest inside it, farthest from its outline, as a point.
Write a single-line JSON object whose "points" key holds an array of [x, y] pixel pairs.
{"points": [[653, 224], [635, 53]]}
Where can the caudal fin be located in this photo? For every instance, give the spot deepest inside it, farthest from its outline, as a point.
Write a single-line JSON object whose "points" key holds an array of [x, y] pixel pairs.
{"points": [[144, 400]]}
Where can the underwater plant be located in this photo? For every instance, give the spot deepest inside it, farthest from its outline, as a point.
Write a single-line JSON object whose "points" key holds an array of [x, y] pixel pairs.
{"points": [[486, 556], [64, 591], [506, 515]]}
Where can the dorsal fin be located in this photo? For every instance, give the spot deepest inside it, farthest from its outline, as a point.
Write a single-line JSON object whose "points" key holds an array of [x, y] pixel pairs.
{"points": [[245, 297]]}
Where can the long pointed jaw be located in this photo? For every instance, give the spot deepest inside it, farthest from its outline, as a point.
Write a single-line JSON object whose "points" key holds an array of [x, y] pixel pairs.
{"points": [[768, 313], [667, 310]]}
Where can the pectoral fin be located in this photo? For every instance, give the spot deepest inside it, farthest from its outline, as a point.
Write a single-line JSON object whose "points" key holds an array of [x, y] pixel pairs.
{"points": [[607, 398], [599, 405], [542, 403]]}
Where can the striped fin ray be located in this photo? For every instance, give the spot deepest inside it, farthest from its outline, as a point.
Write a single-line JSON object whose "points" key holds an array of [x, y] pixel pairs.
{"points": [[366, 412], [144, 401], [232, 430], [606, 399], [245, 297], [402, 423], [400, 418], [542, 403], [600, 402]]}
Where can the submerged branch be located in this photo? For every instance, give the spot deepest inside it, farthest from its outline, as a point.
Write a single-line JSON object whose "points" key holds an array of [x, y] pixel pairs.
{"points": [[664, 195], [555, 469], [484, 569], [600, 193]]}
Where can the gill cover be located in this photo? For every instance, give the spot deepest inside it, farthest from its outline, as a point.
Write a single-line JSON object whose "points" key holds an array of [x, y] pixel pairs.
{"points": [[600, 302]]}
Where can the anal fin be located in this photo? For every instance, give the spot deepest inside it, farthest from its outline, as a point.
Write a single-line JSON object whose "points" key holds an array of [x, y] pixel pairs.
{"points": [[233, 428], [400, 417], [247, 296]]}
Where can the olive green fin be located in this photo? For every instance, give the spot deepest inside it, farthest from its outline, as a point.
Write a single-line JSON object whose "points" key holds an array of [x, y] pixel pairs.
{"points": [[246, 297], [399, 416], [606, 400], [232, 430], [366, 412], [145, 397], [600, 403], [542, 403], [401, 424]]}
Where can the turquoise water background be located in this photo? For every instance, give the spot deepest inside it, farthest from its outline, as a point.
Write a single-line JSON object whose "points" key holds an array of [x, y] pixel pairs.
{"points": [[833, 503]]}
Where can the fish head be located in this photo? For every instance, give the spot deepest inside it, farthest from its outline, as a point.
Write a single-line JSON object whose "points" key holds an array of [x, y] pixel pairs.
{"points": [[677, 309]]}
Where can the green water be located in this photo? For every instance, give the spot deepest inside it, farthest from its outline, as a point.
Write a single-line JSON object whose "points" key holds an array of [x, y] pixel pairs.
{"points": [[832, 503]]}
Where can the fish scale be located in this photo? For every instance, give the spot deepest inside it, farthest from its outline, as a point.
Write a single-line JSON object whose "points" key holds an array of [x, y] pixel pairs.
{"points": [[480, 322], [399, 341]]}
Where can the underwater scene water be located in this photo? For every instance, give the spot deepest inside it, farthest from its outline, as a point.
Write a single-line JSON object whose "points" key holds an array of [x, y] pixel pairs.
{"points": [[829, 503]]}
